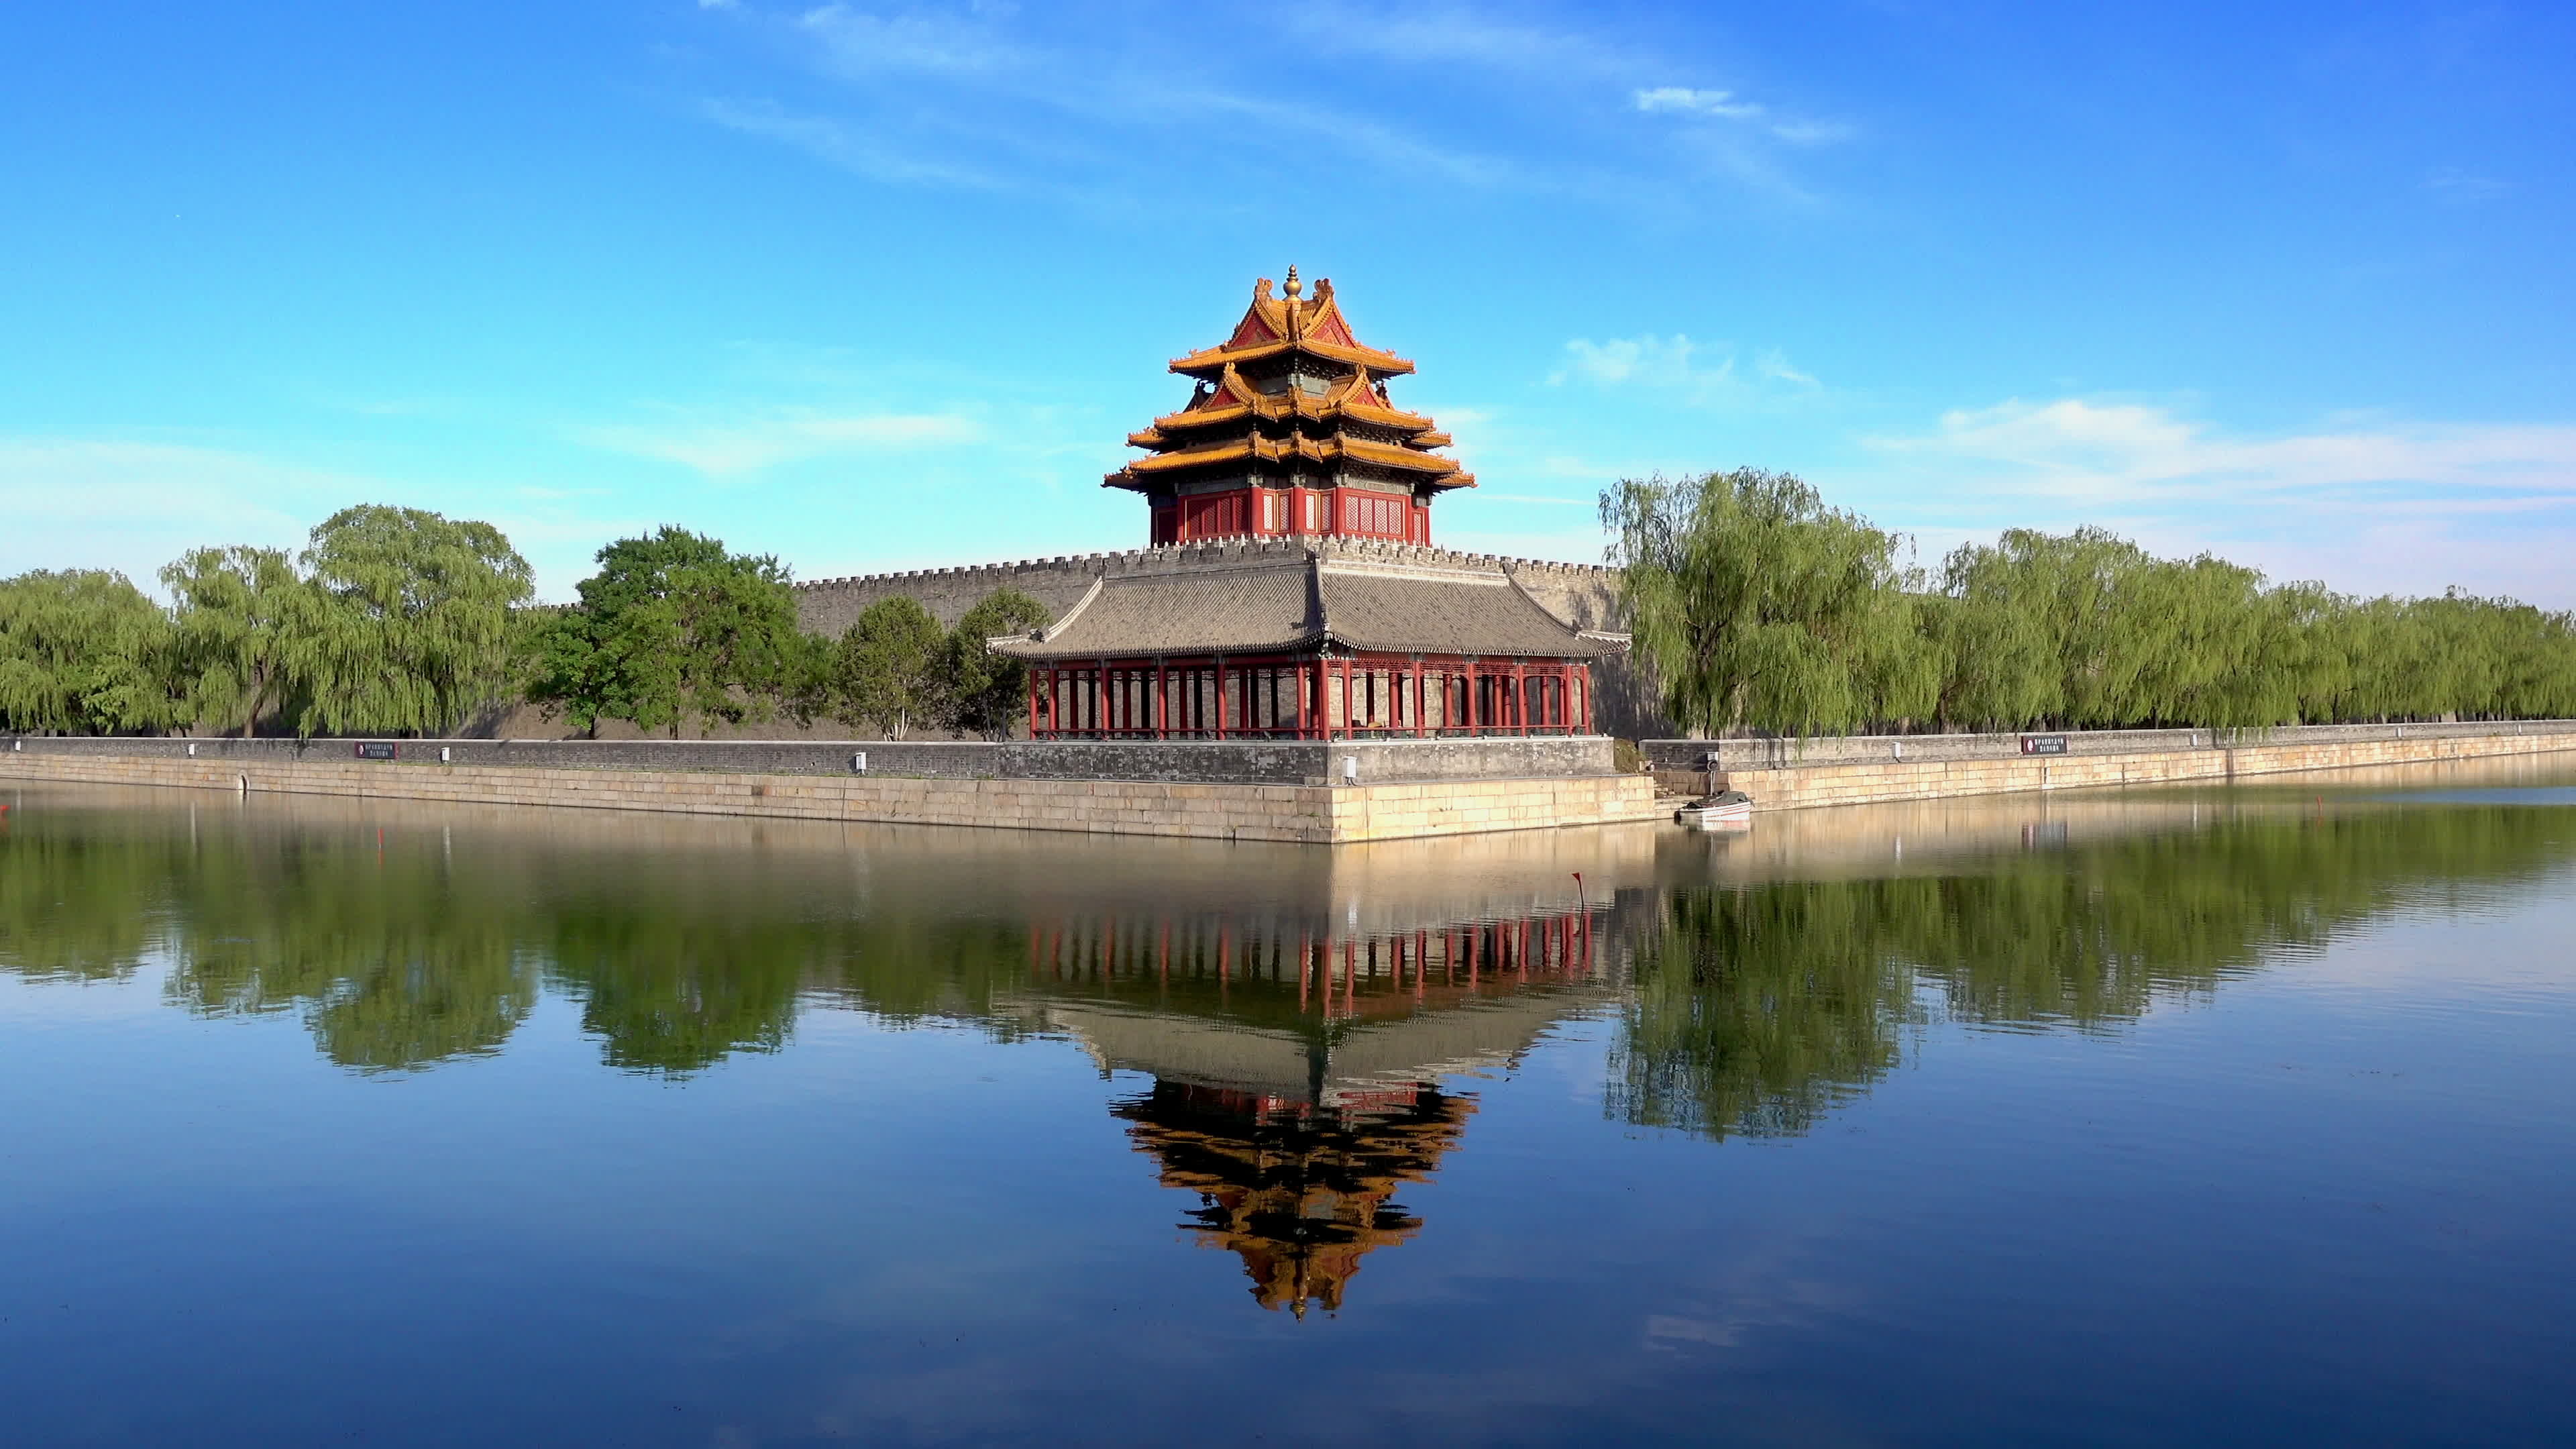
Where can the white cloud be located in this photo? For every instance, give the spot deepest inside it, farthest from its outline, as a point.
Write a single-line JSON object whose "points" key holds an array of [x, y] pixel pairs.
{"points": [[134, 506], [2369, 506], [1701, 373], [1775, 365], [1448, 38], [729, 450], [2130, 452], [851, 147], [1727, 106], [857, 42], [1647, 361], [1089, 110], [2456, 187], [1698, 103]]}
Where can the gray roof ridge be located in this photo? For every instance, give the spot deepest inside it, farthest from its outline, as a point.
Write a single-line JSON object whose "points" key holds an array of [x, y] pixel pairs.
{"points": [[1060, 625]]}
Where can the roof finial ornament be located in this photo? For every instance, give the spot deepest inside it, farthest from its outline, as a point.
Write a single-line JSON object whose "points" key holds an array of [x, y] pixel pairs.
{"points": [[1294, 288]]}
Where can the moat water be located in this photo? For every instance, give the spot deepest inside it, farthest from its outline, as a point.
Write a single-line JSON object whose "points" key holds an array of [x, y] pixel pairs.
{"points": [[2198, 1116]]}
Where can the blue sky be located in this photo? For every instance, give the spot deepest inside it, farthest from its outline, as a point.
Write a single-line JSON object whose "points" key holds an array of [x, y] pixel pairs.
{"points": [[880, 287]]}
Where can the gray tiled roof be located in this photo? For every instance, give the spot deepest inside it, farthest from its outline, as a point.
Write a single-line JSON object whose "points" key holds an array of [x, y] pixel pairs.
{"points": [[1293, 605], [1447, 612]]}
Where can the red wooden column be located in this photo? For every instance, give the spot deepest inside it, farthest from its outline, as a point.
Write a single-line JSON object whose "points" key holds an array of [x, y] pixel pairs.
{"points": [[1421, 718], [1162, 701], [1220, 696], [1033, 703]]}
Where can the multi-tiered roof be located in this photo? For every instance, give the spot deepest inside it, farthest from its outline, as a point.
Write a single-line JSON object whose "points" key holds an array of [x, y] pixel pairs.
{"points": [[1293, 400]]}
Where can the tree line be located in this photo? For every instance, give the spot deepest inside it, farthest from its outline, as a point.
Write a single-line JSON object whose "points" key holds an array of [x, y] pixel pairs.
{"points": [[398, 621], [1755, 606]]}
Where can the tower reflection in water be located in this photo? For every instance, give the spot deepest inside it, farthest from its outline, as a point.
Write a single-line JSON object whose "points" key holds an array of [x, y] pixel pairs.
{"points": [[1296, 1069]]}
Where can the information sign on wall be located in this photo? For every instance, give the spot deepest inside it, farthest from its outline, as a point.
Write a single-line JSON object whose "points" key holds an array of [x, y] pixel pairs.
{"points": [[2043, 744], [375, 750]]}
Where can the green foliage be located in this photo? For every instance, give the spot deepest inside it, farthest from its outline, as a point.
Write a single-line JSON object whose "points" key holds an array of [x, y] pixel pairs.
{"points": [[887, 671], [1758, 1008], [672, 630], [1754, 606], [1753, 603], [988, 692], [83, 652], [239, 610], [405, 623]]}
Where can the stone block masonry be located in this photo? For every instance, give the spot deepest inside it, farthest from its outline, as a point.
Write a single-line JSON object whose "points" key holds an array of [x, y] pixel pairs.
{"points": [[1306, 814], [1874, 781], [1217, 762]]}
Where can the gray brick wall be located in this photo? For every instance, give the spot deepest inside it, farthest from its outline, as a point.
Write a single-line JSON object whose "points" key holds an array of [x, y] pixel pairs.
{"points": [[1177, 762]]}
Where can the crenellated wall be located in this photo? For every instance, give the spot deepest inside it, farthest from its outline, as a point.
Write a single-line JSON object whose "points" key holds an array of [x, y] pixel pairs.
{"points": [[1585, 596]]}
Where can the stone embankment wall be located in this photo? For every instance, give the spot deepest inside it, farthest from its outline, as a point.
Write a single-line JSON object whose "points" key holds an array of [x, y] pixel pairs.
{"points": [[1221, 762], [1795, 774], [1318, 815]]}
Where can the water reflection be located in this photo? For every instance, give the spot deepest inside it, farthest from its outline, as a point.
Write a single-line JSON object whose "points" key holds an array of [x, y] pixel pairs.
{"points": [[1298, 1061], [1299, 1191], [1304, 1017]]}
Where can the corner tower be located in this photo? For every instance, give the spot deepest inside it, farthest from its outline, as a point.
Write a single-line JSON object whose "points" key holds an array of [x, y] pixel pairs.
{"points": [[1289, 431]]}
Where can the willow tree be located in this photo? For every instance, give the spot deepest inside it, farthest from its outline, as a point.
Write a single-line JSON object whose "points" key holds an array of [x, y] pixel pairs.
{"points": [[1753, 604], [404, 627], [82, 651], [239, 610], [673, 629]]}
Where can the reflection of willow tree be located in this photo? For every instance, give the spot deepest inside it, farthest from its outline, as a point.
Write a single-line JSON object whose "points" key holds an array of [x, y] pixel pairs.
{"points": [[394, 961], [677, 991], [1758, 1008], [79, 905], [1299, 1193], [675, 980]]}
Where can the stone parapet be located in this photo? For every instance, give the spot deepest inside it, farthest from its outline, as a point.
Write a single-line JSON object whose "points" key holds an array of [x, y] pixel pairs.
{"points": [[1880, 781], [1675, 756], [1306, 814], [1237, 762]]}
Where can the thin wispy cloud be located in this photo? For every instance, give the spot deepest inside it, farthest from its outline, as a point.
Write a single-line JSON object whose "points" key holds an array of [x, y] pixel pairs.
{"points": [[1727, 106], [846, 145], [1452, 38], [996, 98], [2122, 453], [856, 42], [1774, 365], [1648, 361], [1698, 103], [1699, 373], [2454, 187], [731, 450]]}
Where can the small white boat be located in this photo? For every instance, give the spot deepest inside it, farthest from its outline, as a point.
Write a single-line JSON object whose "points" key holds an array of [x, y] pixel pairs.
{"points": [[1725, 810]]}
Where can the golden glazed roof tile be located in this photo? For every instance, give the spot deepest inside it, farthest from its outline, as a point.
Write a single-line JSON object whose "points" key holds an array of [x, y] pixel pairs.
{"points": [[1220, 425]]}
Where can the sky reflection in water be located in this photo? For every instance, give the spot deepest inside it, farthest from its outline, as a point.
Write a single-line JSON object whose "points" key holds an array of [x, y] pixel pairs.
{"points": [[2115, 1118]]}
